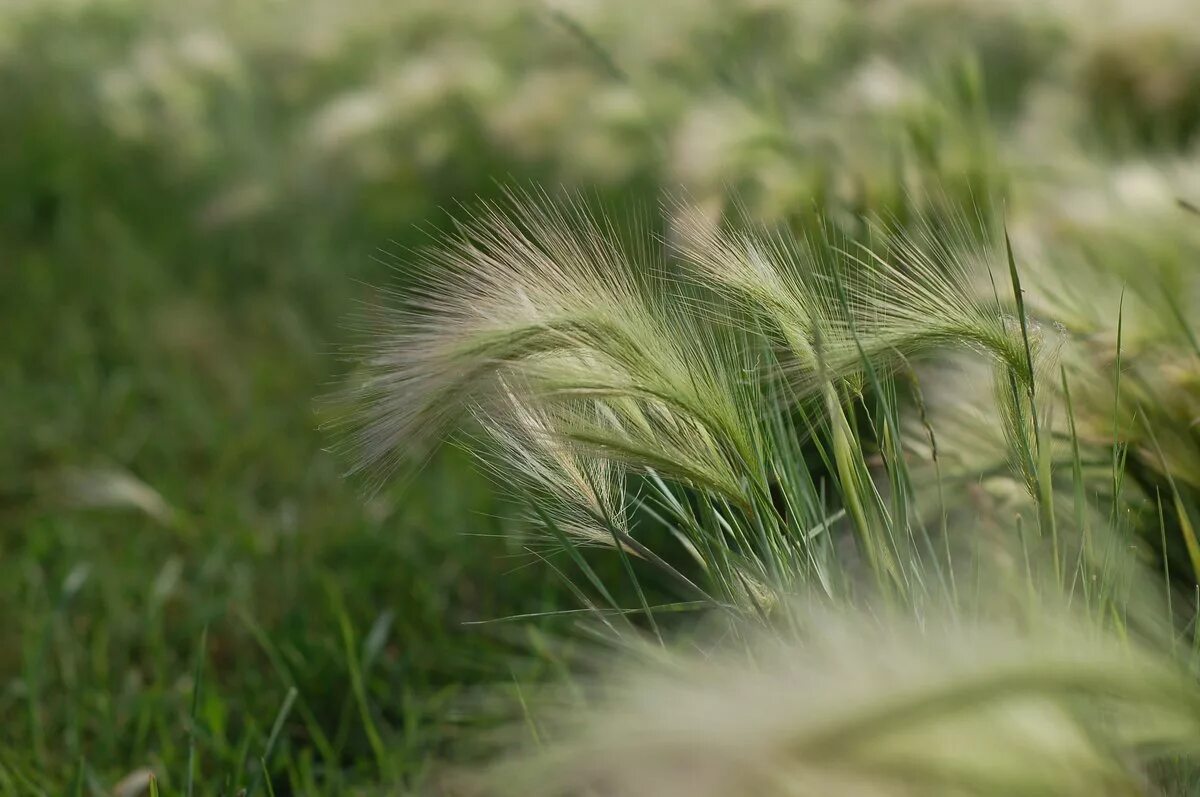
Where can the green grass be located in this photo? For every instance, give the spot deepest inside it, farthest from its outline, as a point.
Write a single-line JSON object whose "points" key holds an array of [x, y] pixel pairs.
{"points": [[108, 612], [195, 366], [189, 584], [743, 396]]}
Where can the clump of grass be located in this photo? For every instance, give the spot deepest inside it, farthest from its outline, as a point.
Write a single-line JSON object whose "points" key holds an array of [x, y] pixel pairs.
{"points": [[709, 370], [275, 151], [545, 311], [742, 393], [1118, 299]]}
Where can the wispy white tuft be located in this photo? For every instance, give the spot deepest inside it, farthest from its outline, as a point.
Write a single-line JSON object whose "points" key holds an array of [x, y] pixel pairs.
{"points": [[874, 705]]}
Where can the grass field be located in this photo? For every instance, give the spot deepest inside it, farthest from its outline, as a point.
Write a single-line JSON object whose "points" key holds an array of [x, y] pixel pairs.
{"points": [[197, 198]]}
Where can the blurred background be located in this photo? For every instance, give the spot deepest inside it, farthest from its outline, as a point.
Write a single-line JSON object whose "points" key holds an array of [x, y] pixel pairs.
{"points": [[193, 198]]}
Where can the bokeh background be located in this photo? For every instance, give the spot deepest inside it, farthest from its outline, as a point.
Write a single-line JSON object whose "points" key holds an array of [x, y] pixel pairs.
{"points": [[194, 197]]}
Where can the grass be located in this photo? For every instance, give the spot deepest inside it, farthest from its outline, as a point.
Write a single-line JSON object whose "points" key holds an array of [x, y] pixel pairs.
{"points": [[110, 617], [199, 390], [197, 598], [583, 361]]}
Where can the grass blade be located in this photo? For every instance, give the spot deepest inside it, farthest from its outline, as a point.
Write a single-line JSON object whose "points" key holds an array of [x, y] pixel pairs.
{"points": [[197, 680]]}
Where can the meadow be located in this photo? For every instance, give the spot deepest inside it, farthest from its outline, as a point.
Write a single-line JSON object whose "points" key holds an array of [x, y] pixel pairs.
{"points": [[427, 397]]}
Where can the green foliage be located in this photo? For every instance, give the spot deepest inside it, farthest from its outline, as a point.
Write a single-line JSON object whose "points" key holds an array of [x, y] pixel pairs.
{"points": [[593, 362], [699, 422]]}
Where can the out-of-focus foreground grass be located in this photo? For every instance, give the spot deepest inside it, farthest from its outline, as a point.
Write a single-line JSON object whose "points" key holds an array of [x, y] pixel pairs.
{"points": [[191, 199]]}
